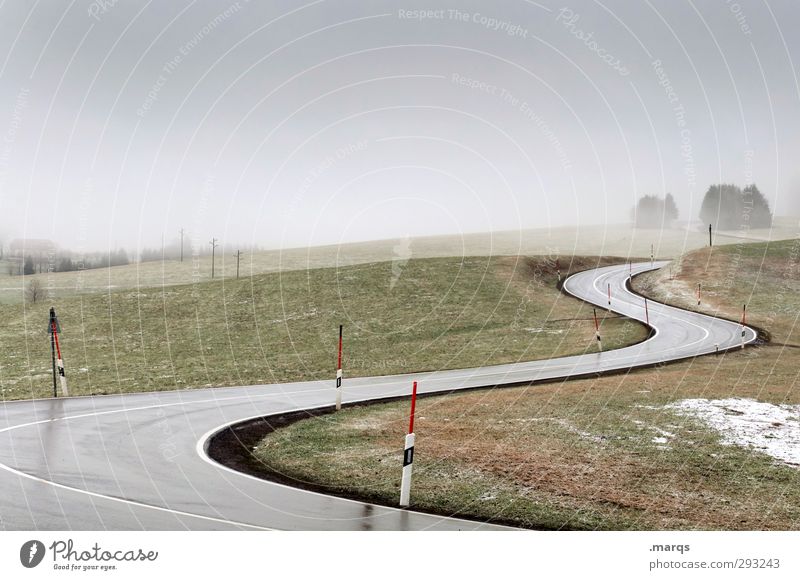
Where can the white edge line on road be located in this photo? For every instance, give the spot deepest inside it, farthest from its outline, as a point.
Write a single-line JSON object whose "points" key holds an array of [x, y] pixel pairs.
{"points": [[202, 446], [129, 501]]}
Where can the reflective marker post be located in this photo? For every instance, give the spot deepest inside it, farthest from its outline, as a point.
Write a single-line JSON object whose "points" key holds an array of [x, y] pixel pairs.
{"points": [[55, 349], [609, 297], [597, 330], [339, 374], [744, 321], [408, 454], [698, 293], [646, 312]]}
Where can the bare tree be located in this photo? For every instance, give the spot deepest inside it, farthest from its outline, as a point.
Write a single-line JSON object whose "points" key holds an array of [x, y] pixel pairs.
{"points": [[34, 291]]}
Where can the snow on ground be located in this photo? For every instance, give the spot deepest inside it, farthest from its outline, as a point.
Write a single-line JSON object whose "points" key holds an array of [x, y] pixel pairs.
{"points": [[663, 437], [768, 428]]}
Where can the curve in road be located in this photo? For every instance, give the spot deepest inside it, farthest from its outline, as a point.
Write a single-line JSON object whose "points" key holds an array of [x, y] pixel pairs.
{"points": [[138, 461]]}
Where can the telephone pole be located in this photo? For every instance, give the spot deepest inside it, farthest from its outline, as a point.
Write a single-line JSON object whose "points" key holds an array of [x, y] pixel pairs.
{"points": [[238, 254], [181, 231], [214, 245]]}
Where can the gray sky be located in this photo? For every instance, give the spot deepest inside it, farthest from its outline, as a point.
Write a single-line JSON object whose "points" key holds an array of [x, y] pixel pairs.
{"points": [[290, 124]]}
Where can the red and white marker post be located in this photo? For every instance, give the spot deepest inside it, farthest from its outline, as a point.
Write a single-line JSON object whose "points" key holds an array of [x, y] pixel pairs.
{"points": [[55, 348], [408, 454], [597, 331], [339, 374], [646, 312], [744, 321]]}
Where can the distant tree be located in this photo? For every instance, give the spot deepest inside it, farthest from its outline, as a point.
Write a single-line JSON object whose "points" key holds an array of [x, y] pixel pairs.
{"points": [[34, 291], [117, 258], [726, 205], [66, 265], [651, 211], [28, 267], [760, 215], [670, 208]]}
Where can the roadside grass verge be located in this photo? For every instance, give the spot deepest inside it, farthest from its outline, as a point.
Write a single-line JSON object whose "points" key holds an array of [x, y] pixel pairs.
{"points": [[414, 315], [605, 453]]}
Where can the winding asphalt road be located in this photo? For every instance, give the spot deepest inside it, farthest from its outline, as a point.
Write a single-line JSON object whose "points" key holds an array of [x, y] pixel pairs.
{"points": [[137, 461]]}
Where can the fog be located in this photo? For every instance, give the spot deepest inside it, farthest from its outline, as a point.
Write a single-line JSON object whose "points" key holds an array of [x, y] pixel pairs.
{"points": [[284, 124]]}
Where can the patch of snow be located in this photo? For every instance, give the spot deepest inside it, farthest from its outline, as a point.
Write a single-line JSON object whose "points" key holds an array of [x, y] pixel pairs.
{"points": [[663, 436], [767, 428]]}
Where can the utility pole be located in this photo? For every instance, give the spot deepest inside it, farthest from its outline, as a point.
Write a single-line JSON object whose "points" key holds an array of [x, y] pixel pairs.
{"points": [[214, 245], [238, 254], [181, 231]]}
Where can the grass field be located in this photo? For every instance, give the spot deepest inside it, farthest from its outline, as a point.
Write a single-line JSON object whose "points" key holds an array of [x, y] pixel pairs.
{"points": [[423, 314], [607, 453], [612, 240]]}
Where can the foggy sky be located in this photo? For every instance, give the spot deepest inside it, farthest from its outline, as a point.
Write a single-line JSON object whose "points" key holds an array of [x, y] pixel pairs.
{"points": [[290, 124]]}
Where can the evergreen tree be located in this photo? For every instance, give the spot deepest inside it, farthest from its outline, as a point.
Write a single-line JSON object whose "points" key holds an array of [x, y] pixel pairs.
{"points": [[670, 208], [760, 215], [28, 267], [723, 207], [653, 212]]}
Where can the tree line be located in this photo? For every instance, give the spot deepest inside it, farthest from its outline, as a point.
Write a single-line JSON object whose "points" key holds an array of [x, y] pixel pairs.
{"points": [[725, 206]]}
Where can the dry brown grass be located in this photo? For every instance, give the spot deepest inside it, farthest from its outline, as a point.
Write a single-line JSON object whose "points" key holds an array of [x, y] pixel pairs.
{"points": [[585, 454]]}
